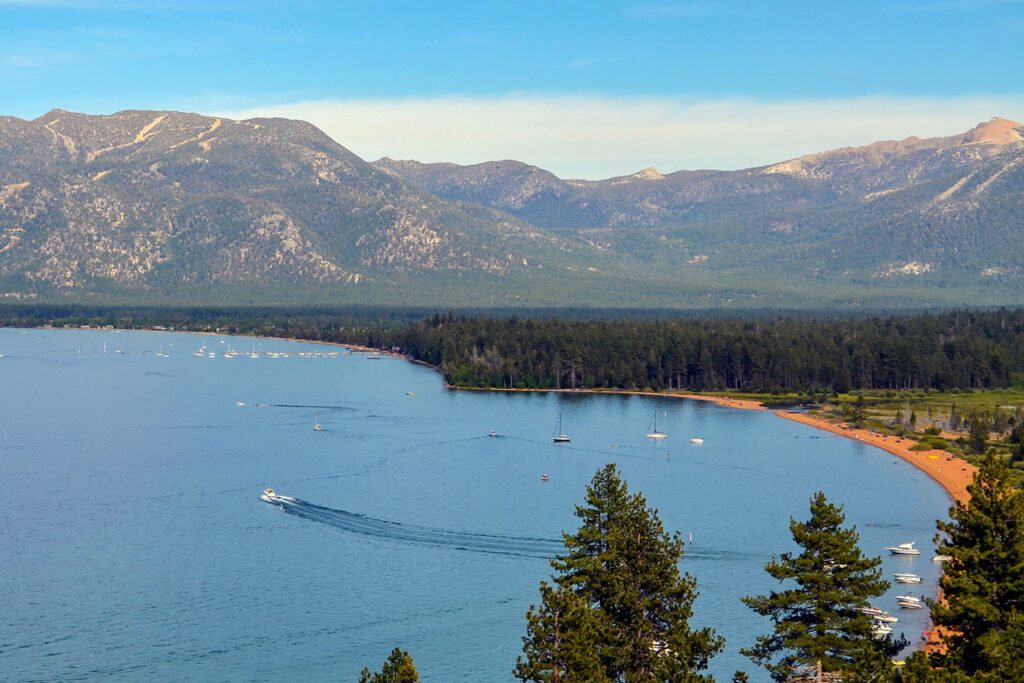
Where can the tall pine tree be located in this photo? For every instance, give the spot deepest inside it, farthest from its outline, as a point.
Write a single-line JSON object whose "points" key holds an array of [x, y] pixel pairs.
{"points": [[398, 668], [622, 567], [982, 615], [818, 626]]}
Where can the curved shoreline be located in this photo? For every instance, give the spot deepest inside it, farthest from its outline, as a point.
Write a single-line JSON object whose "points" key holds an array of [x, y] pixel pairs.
{"points": [[725, 401], [951, 473]]}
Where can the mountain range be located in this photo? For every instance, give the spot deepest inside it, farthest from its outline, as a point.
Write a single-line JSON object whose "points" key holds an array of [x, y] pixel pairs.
{"points": [[168, 207]]}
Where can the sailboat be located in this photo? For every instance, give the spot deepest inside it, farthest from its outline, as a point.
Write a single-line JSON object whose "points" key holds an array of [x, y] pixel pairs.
{"points": [[560, 436], [316, 423], [654, 433]]}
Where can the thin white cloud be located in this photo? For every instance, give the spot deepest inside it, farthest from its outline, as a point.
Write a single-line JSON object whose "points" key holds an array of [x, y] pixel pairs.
{"points": [[598, 137]]}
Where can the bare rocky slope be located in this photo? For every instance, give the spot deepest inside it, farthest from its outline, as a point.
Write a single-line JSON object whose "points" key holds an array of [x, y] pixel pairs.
{"points": [[164, 203], [147, 206]]}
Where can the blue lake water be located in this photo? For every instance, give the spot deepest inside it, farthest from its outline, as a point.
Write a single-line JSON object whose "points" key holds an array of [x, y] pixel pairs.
{"points": [[134, 545]]}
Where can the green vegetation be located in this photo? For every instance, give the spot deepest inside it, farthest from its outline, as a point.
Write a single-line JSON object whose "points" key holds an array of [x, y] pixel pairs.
{"points": [[982, 618], [817, 623], [620, 608], [398, 668]]}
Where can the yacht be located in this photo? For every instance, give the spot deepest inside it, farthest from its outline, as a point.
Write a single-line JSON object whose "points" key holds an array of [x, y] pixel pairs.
{"points": [[905, 577], [904, 549], [560, 436], [654, 433]]}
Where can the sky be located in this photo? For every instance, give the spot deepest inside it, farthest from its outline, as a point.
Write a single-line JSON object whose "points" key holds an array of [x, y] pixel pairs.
{"points": [[585, 89]]}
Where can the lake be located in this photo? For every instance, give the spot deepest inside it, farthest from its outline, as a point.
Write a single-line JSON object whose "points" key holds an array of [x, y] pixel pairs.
{"points": [[134, 544]]}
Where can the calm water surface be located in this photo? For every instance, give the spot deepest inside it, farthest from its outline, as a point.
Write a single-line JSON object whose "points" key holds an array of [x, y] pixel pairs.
{"points": [[133, 544]]}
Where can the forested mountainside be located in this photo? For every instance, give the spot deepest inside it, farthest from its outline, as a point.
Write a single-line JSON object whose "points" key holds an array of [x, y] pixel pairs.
{"points": [[155, 203], [176, 208]]}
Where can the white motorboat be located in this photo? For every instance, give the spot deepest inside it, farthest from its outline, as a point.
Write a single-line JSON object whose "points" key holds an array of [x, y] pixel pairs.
{"points": [[908, 598], [904, 577], [880, 630], [941, 558], [872, 611], [560, 436], [545, 477], [697, 440], [904, 549], [909, 605], [492, 433], [269, 495], [885, 618], [653, 432]]}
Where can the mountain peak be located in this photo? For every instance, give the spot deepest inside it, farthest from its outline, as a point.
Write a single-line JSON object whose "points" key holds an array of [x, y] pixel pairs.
{"points": [[995, 131], [649, 173]]}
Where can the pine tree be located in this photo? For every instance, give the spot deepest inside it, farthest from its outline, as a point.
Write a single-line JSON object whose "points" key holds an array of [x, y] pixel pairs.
{"points": [[398, 668], [562, 639], [982, 617], [817, 622], [622, 567]]}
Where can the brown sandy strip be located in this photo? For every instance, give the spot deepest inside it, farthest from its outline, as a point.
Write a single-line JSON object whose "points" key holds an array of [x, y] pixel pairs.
{"points": [[951, 473]]}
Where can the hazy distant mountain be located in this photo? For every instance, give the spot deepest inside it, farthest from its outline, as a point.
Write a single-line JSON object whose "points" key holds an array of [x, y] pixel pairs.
{"points": [[939, 211], [173, 207], [163, 202]]}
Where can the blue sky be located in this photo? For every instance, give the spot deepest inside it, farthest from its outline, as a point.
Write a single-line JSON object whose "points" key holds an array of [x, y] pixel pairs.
{"points": [[477, 58]]}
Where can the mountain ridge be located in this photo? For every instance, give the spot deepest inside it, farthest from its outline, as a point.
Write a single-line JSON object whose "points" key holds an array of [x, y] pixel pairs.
{"points": [[162, 205]]}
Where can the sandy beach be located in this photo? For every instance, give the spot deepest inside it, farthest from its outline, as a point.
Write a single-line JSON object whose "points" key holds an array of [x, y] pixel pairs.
{"points": [[952, 474]]}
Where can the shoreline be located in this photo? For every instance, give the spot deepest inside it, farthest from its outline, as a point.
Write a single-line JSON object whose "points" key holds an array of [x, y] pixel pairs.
{"points": [[953, 474], [725, 401]]}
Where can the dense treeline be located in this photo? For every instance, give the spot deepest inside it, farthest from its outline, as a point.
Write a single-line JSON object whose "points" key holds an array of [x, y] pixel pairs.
{"points": [[965, 349], [959, 349]]}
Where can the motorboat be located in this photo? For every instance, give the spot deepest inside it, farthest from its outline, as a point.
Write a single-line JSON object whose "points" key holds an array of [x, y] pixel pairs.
{"points": [[907, 598], [904, 549], [269, 495], [654, 432], [941, 558], [545, 477], [880, 630], [697, 440], [492, 433], [872, 611], [909, 605], [905, 577], [885, 618]]}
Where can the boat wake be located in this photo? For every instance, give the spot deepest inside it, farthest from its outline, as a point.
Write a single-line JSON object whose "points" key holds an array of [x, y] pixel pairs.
{"points": [[352, 522]]}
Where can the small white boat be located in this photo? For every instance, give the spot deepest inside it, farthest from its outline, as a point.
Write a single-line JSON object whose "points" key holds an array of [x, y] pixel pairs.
{"points": [[873, 611], [654, 433], [492, 433], [316, 423], [697, 440], [941, 558], [544, 477], [904, 549], [239, 403], [909, 605], [885, 618], [907, 578], [907, 598], [560, 436], [269, 495], [409, 393]]}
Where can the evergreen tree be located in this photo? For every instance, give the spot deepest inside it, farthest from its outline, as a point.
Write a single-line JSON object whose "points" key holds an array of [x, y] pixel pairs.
{"points": [[398, 668], [817, 622], [634, 604], [982, 617], [562, 637]]}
